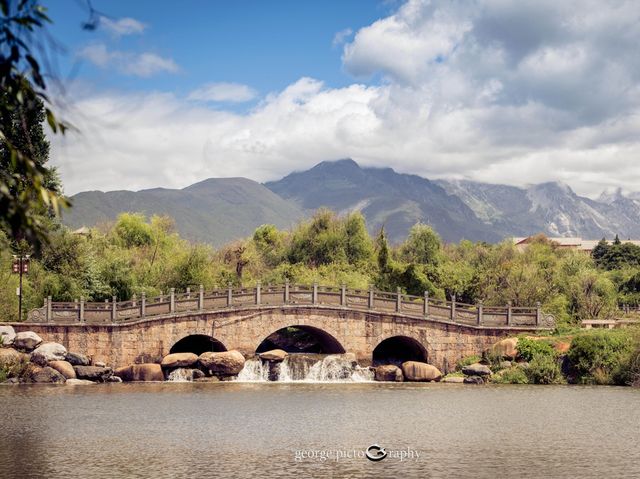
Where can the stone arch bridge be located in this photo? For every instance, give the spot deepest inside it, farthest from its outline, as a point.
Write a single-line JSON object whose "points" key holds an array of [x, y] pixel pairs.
{"points": [[366, 323]]}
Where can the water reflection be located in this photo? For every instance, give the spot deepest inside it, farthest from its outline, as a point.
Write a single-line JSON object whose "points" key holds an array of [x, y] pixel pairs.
{"points": [[240, 430]]}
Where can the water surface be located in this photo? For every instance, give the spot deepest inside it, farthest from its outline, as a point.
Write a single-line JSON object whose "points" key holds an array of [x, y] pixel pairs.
{"points": [[255, 430]]}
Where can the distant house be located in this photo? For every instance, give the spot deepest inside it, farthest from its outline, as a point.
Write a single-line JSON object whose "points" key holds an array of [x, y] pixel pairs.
{"points": [[566, 243]]}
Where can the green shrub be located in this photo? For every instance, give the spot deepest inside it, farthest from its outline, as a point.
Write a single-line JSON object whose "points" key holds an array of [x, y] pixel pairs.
{"points": [[513, 375], [601, 356], [466, 361], [528, 349], [544, 369]]}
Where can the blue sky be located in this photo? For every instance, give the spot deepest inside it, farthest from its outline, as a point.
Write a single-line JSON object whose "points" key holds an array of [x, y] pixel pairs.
{"points": [[500, 91], [265, 45]]}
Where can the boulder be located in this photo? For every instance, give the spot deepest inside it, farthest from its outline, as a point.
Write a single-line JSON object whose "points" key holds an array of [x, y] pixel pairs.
{"points": [[78, 382], [64, 368], [9, 356], [473, 380], [140, 372], [48, 352], [26, 341], [453, 379], [505, 364], [417, 371], [7, 335], [45, 375], [100, 364], [227, 363], [197, 374], [506, 348], [275, 355], [476, 369], [389, 372], [179, 360], [76, 359], [93, 373]]}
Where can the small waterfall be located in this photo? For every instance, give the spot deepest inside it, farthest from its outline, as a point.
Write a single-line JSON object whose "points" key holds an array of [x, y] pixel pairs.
{"points": [[254, 370], [180, 375], [302, 367]]}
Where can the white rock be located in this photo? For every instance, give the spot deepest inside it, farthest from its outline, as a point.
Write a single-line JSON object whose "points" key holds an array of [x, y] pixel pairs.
{"points": [[27, 341], [7, 335], [48, 352]]}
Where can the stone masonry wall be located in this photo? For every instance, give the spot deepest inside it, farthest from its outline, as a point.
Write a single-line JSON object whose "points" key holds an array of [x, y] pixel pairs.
{"points": [[358, 332]]}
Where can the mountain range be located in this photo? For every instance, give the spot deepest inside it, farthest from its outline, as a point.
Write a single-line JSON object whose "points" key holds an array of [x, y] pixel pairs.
{"points": [[219, 210]]}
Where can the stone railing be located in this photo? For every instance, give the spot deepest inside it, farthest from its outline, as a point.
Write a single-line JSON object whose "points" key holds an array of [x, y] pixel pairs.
{"points": [[114, 311]]}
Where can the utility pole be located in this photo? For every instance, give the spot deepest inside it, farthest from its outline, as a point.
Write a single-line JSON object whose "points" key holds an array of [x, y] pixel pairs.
{"points": [[20, 266]]}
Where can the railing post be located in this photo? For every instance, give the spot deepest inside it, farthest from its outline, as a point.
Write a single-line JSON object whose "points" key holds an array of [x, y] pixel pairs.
{"points": [[286, 292], [229, 294], [114, 308], [370, 305], [538, 313], [480, 313], [172, 300], [509, 313], [161, 297], [188, 293], [398, 299], [258, 293], [314, 296], [134, 300], [343, 295], [81, 312], [201, 298], [453, 308], [49, 309], [143, 305], [426, 303]]}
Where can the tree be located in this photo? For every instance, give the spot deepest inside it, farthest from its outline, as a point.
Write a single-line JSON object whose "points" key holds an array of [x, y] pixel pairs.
{"points": [[27, 186], [358, 248], [422, 246]]}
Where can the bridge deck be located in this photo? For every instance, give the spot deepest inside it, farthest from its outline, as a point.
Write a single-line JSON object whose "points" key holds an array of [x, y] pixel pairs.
{"points": [[111, 312]]}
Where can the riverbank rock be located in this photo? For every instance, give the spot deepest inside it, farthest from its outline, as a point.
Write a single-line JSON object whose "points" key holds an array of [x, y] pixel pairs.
{"points": [[113, 379], [77, 359], [417, 371], [275, 355], [7, 335], [100, 364], [179, 360], [93, 373], [78, 382], [46, 375], [476, 369], [26, 341], [140, 372], [506, 348], [473, 380], [389, 372], [453, 379], [227, 363], [48, 352], [64, 368], [505, 364]]}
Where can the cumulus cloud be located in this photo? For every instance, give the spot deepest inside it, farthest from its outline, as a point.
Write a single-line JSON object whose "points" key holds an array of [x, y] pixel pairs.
{"points": [[122, 26], [494, 90], [223, 92], [340, 37], [138, 64]]}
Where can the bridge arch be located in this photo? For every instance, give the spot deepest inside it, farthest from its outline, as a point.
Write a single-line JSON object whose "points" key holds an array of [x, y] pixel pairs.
{"points": [[300, 338], [198, 344], [398, 349]]}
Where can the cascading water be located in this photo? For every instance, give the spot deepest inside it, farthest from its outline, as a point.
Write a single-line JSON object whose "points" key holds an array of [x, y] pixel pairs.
{"points": [[302, 367], [180, 375]]}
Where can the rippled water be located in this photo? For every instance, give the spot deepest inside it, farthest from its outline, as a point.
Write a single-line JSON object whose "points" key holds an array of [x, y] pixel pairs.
{"points": [[254, 430]]}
